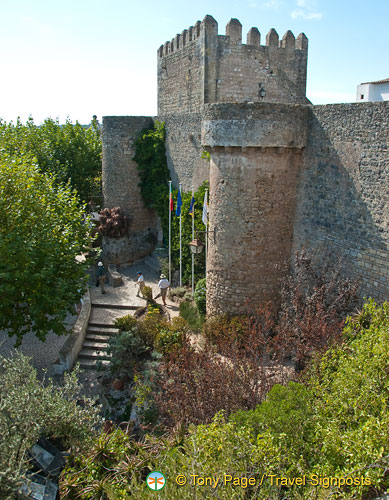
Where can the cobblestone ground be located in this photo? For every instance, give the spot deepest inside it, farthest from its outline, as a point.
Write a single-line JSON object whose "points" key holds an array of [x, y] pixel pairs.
{"points": [[43, 354]]}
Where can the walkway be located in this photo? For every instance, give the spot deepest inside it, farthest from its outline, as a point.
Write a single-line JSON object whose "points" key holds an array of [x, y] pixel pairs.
{"points": [[44, 354], [115, 303]]}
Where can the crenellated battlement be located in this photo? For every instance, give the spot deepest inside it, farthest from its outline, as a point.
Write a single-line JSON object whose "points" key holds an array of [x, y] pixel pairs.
{"points": [[199, 66], [233, 35]]}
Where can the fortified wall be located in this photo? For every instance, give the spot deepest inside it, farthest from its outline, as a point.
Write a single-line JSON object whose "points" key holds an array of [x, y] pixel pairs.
{"points": [[343, 191], [120, 189], [199, 66], [284, 174]]}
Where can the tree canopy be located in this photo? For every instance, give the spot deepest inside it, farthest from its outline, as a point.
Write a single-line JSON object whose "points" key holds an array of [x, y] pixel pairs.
{"points": [[70, 151], [41, 232]]}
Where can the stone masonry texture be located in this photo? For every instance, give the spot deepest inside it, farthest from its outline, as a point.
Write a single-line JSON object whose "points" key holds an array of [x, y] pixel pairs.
{"points": [[284, 174], [343, 194], [120, 189]]}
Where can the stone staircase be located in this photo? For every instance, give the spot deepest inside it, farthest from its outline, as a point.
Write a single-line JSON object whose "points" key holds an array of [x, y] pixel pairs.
{"points": [[100, 329], [94, 348]]}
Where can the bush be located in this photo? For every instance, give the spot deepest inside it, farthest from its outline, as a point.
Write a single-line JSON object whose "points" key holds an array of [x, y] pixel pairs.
{"points": [[190, 313], [31, 409], [200, 295], [332, 426], [147, 293], [126, 323], [113, 223], [108, 469], [194, 384], [315, 303], [127, 349], [225, 327], [171, 336], [149, 327]]}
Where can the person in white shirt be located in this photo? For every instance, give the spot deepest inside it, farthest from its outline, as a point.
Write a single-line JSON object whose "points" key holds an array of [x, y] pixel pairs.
{"points": [[163, 285], [141, 283]]}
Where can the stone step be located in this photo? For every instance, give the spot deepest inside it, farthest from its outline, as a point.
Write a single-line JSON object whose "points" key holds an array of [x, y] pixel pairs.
{"points": [[91, 364], [98, 346], [104, 330], [93, 354], [95, 337], [107, 317], [94, 324], [102, 305]]}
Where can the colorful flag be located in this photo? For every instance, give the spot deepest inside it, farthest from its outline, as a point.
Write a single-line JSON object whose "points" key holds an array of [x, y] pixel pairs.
{"points": [[191, 208], [171, 204], [179, 203], [205, 209]]}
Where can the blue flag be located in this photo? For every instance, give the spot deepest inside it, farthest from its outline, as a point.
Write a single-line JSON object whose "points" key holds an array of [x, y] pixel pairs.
{"points": [[179, 203], [191, 208]]}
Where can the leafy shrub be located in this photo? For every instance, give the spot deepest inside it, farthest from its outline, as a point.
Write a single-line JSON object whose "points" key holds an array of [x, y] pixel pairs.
{"points": [[126, 323], [113, 224], [194, 383], [127, 349], [177, 293], [108, 469], [148, 328], [333, 425], [219, 328], [315, 303], [171, 336], [154, 309], [190, 313], [200, 295], [145, 386], [31, 409], [147, 293]]}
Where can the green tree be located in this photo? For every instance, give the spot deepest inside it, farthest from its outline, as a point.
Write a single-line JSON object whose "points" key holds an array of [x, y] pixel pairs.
{"points": [[42, 231], [70, 151]]}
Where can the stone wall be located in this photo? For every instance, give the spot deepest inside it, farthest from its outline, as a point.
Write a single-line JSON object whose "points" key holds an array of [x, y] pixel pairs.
{"points": [[343, 194], [180, 73], [253, 176], [184, 150], [120, 189], [200, 66], [242, 70]]}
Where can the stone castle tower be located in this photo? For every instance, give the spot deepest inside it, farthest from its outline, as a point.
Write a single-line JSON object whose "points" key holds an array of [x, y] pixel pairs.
{"points": [[249, 99], [284, 174]]}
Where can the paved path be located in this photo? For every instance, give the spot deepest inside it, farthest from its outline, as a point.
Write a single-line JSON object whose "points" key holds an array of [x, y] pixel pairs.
{"points": [[44, 354], [125, 294]]}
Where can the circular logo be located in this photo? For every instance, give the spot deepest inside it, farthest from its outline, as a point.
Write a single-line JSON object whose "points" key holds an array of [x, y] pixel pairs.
{"points": [[155, 481]]}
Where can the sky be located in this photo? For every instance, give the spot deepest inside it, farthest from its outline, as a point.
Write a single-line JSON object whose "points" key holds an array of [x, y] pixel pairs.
{"points": [[79, 58]]}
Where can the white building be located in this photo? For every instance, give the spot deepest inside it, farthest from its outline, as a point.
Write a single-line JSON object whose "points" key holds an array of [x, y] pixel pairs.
{"points": [[373, 91]]}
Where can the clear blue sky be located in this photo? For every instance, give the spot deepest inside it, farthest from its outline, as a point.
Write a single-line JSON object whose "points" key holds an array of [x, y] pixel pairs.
{"points": [[77, 58]]}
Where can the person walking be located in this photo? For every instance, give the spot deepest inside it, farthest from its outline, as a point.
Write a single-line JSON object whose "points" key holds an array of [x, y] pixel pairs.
{"points": [[163, 285], [141, 284], [100, 281]]}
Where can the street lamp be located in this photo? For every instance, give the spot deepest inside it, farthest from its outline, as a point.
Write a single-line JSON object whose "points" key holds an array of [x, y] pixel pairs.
{"points": [[262, 91], [196, 246]]}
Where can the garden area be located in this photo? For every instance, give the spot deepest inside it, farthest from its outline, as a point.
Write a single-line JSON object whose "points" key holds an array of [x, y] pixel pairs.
{"points": [[276, 403]]}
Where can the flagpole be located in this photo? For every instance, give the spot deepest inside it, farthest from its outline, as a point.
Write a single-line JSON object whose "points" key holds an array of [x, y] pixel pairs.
{"points": [[180, 241], [206, 233], [170, 231], [192, 240]]}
